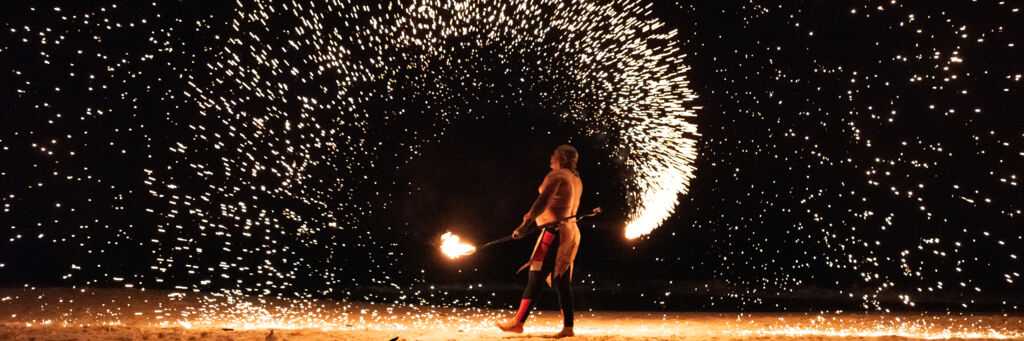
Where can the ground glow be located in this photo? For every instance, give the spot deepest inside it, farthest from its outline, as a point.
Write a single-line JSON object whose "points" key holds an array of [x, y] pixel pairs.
{"points": [[111, 312]]}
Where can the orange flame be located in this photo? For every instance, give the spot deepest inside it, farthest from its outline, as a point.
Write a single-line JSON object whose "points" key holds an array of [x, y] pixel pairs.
{"points": [[453, 248]]}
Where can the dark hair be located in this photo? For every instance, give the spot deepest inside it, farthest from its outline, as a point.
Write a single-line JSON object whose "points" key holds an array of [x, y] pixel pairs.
{"points": [[567, 157]]}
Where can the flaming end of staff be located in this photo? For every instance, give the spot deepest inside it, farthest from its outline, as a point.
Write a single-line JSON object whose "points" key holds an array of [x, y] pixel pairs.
{"points": [[633, 231], [453, 248], [643, 225]]}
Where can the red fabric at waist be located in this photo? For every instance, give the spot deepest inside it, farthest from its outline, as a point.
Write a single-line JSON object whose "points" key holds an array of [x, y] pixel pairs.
{"points": [[542, 249]]}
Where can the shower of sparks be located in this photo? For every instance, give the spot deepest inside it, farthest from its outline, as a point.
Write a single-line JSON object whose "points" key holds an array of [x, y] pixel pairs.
{"points": [[301, 104], [453, 248], [303, 110], [594, 64], [868, 152]]}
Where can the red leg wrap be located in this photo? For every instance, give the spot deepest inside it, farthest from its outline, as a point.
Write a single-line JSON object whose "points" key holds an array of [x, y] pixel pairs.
{"points": [[524, 306]]}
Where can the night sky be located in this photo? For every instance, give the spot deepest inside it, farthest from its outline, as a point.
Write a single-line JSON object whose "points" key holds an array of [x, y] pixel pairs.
{"points": [[848, 155]]}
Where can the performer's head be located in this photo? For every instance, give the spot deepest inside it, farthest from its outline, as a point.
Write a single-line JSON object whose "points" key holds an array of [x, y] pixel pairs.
{"points": [[565, 156]]}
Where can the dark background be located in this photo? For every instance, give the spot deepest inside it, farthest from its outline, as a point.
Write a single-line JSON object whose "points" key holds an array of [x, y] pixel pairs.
{"points": [[817, 120]]}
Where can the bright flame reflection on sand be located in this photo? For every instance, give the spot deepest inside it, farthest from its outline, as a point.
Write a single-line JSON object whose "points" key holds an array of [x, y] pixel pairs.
{"points": [[137, 314]]}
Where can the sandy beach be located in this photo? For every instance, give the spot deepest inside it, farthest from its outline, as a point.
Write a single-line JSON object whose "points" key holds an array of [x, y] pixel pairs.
{"points": [[133, 314]]}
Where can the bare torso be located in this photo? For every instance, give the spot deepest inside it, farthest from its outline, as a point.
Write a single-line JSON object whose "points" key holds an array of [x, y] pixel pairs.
{"points": [[566, 198]]}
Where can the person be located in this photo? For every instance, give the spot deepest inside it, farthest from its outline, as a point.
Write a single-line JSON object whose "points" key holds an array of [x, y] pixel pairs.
{"points": [[555, 250]]}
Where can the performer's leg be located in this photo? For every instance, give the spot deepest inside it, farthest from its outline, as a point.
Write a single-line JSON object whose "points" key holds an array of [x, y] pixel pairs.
{"points": [[534, 289], [565, 298], [563, 286], [544, 253], [535, 284]]}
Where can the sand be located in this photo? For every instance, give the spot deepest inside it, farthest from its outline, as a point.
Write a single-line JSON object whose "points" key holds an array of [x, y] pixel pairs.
{"points": [[133, 314]]}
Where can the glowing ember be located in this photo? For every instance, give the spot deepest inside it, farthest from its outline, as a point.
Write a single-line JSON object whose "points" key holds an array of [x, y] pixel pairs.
{"points": [[453, 248]]}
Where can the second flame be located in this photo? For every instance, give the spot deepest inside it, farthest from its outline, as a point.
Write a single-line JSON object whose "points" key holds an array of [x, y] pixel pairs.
{"points": [[453, 248]]}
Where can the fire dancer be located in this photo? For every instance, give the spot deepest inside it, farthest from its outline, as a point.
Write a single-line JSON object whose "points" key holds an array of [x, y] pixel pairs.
{"points": [[554, 251]]}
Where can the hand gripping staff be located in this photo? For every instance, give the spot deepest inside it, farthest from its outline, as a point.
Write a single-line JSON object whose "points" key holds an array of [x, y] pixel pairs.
{"points": [[549, 226]]}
